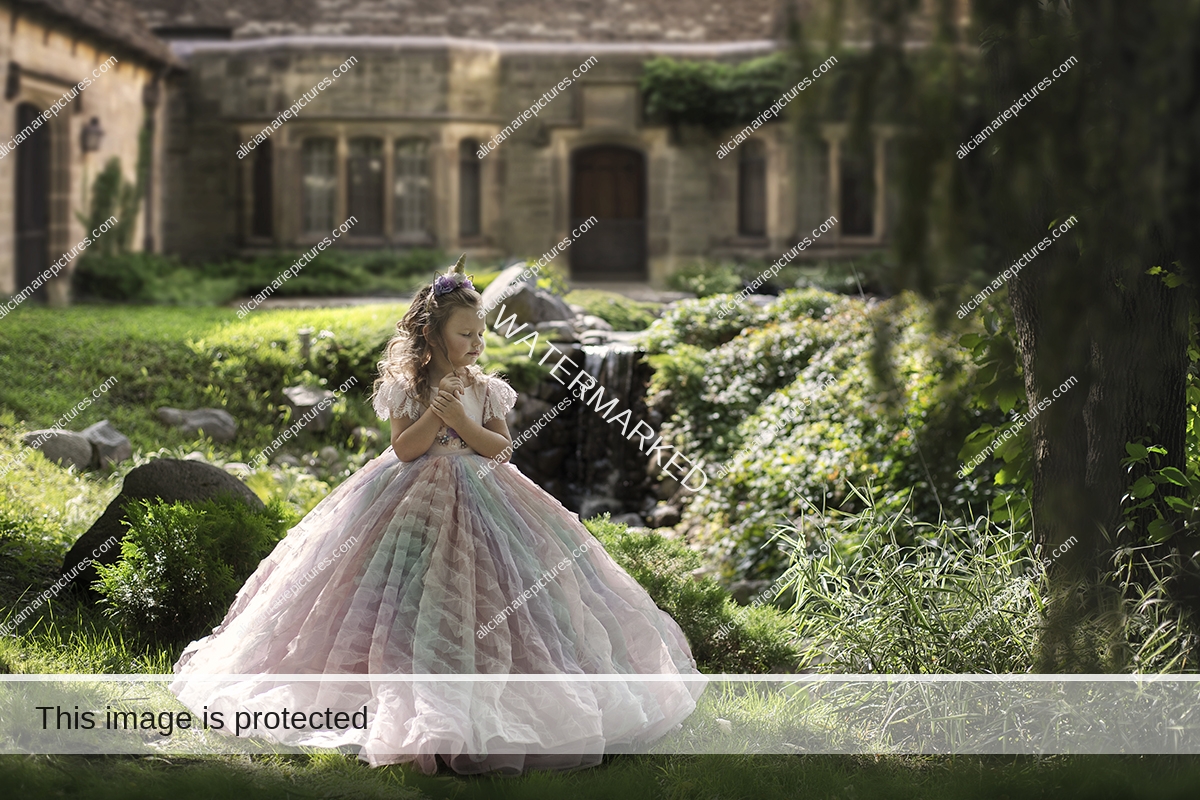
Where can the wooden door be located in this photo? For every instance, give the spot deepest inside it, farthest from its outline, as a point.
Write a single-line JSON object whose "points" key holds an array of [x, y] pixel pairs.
{"points": [[32, 201], [609, 183]]}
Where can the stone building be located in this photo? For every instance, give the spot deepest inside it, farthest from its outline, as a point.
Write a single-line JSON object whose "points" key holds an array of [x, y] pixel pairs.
{"points": [[394, 100], [97, 65]]}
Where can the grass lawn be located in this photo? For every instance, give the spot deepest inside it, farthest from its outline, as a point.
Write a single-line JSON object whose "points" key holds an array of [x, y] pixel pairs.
{"points": [[53, 358], [625, 777]]}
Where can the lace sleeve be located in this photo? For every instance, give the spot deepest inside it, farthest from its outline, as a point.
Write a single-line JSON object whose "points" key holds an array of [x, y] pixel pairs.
{"points": [[500, 399], [395, 399]]}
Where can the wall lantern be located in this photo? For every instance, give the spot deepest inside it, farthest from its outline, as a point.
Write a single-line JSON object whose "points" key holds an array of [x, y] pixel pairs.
{"points": [[91, 135]]}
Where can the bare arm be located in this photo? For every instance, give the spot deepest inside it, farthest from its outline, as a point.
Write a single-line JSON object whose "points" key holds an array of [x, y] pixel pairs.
{"points": [[411, 438]]}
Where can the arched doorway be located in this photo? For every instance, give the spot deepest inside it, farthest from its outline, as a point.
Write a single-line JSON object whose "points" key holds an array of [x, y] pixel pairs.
{"points": [[609, 183], [32, 201]]}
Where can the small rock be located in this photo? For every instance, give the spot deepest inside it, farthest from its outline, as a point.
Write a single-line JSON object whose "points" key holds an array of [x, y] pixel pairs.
{"points": [[315, 404], [725, 725], [66, 448], [238, 469], [578, 309], [110, 445], [594, 337], [664, 516], [630, 519], [592, 322], [215, 423], [287, 459], [330, 455], [595, 506]]}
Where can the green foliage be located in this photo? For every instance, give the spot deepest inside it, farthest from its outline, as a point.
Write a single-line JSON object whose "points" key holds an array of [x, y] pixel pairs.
{"points": [[711, 93], [615, 309], [704, 279], [182, 563], [113, 196], [1165, 499], [997, 388], [552, 278], [724, 638], [790, 408], [698, 323], [879, 592], [164, 280]]}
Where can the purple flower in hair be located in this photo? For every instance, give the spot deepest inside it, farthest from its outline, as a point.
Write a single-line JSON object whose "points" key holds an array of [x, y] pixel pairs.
{"points": [[444, 284]]}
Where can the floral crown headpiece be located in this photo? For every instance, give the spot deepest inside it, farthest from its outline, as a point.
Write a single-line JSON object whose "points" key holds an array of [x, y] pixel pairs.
{"points": [[455, 278]]}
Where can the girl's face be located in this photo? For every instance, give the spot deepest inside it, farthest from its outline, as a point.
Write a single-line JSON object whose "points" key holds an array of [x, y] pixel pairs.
{"points": [[463, 336]]}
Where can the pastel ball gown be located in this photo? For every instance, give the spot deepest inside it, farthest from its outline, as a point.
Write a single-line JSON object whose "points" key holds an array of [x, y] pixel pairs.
{"points": [[427, 568]]}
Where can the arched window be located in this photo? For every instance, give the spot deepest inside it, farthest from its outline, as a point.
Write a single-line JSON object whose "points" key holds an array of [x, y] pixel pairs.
{"points": [[364, 192], [319, 169], [262, 222], [410, 188], [752, 189], [468, 189]]}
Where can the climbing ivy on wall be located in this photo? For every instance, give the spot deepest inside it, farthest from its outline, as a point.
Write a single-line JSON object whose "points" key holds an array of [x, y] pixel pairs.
{"points": [[113, 196], [711, 93]]}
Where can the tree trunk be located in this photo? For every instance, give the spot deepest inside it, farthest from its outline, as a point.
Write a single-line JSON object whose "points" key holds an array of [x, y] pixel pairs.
{"points": [[1130, 360]]}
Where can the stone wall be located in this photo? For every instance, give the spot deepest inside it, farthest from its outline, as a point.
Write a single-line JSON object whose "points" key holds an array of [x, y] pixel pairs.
{"points": [[445, 93], [53, 57]]}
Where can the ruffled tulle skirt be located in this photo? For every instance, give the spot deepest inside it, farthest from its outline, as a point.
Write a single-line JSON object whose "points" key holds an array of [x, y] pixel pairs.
{"points": [[426, 568]]}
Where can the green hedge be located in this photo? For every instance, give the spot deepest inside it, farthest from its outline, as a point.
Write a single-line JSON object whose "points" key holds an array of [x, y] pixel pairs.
{"points": [[156, 279]]}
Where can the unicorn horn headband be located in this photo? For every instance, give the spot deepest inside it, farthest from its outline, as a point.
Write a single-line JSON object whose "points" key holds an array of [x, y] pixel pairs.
{"points": [[455, 278]]}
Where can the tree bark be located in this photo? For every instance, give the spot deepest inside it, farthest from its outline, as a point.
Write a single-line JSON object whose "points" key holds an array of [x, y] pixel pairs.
{"points": [[1130, 359]]}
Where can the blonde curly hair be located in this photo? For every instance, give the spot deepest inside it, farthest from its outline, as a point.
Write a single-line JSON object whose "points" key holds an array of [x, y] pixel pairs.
{"points": [[419, 331]]}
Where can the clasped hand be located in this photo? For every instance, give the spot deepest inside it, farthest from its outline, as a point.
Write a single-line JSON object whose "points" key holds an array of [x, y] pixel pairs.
{"points": [[448, 405]]}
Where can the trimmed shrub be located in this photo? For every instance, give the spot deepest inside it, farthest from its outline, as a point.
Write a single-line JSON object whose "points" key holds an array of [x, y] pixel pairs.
{"points": [[182, 564]]}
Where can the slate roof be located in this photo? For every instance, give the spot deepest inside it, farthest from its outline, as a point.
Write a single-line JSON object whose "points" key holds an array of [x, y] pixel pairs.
{"points": [[681, 21], [113, 20]]}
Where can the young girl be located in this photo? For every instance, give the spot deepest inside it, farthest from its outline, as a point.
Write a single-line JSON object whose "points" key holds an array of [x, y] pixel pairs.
{"points": [[423, 563]]}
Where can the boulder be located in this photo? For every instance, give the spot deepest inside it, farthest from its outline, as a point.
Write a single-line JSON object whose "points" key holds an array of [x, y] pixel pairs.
{"points": [[504, 285], [594, 337], [557, 330], [306, 399], [66, 448], [664, 516], [215, 423], [110, 445], [330, 455], [165, 479], [531, 305]]}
